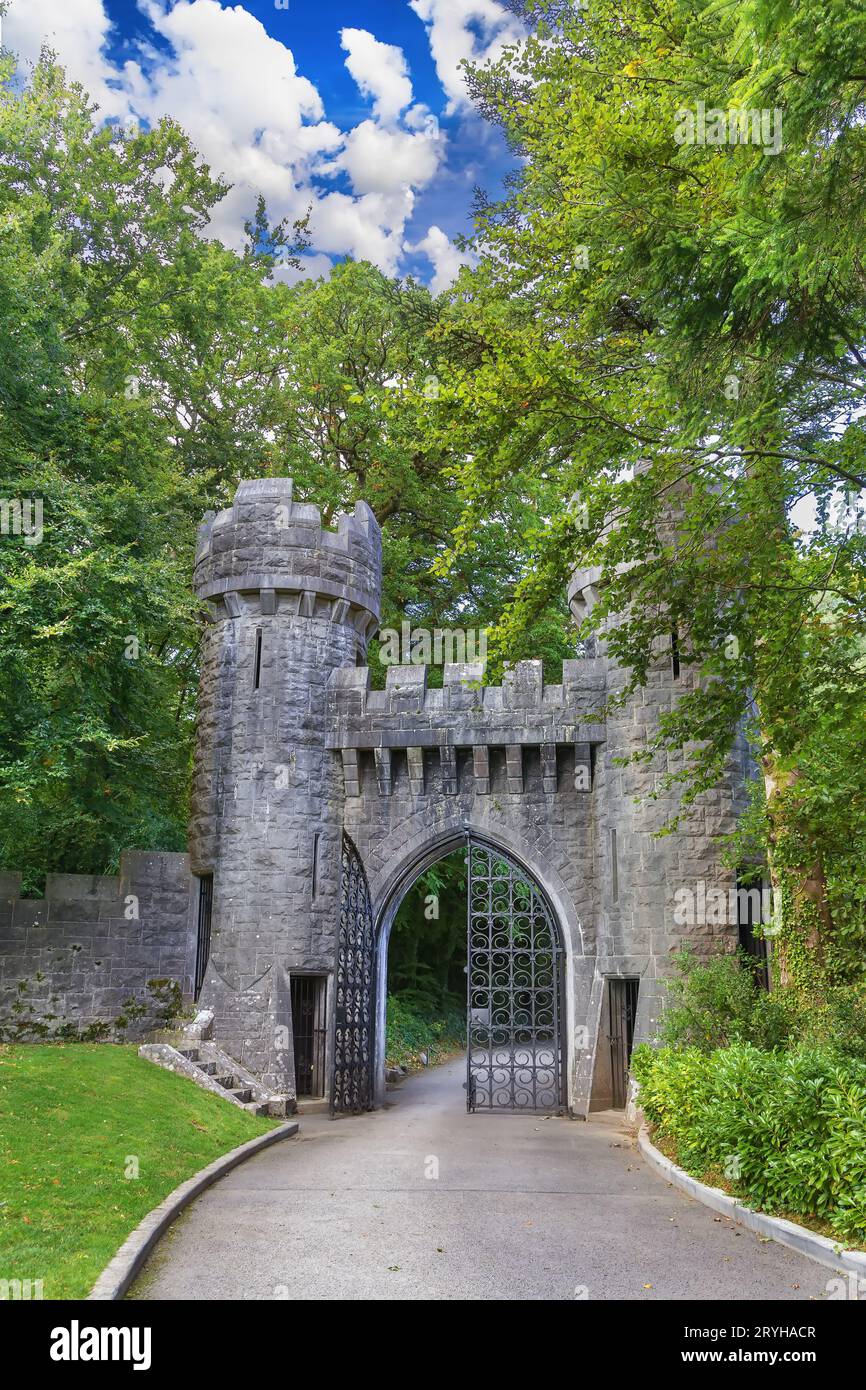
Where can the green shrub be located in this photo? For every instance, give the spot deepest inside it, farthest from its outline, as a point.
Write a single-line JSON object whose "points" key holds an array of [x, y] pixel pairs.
{"points": [[715, 1002], [837, 1020], [413, 1028], [787, 1129], [719, 1001]]}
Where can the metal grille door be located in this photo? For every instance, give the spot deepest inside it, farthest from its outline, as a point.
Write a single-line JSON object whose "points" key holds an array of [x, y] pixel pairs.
{"points": [[623, 1010], [308, 1031], [514, 969], [205, 910], [352, 1089]]}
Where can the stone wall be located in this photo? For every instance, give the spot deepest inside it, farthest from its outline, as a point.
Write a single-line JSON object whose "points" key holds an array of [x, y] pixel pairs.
{"points": [[528, 767], [294, 748], [97, 949], [640, 871]]}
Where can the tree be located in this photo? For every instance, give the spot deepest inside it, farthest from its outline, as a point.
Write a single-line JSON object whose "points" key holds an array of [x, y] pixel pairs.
{"points": [[105, 279], [657, 321], [357, 372], [144, 371]]}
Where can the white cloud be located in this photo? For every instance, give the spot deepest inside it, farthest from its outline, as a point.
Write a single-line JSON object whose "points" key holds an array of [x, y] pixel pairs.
{"points": [[452, 29], [237, 92], [369, 228], [312, 267], [442, 255], [380, 71], [77, 30], [256, 119], [379, 160]]}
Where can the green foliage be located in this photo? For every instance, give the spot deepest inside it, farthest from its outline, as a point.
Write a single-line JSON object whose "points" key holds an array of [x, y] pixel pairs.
{"points": [[653, 322], [144, 370], [426, 964], [719, 1001], [414, 1027], [787, 1129], [98, 637], [427, 947]]}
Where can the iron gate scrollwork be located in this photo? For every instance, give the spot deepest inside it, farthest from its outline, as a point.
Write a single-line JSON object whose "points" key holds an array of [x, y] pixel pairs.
{"points": [[352, 1086], [514, 997]]}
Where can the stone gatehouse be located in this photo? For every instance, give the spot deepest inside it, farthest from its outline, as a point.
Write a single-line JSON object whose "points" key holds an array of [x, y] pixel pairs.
{"points": [[317, 802]]}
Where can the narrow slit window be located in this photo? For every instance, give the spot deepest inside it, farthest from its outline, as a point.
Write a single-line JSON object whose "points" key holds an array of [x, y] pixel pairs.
{"points": [[257, 662], [675, 653], [614, 868], [205, 910], [315, 863]]}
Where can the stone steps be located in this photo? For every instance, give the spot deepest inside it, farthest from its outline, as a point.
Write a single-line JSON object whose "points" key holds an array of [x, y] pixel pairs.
{"points": [[218, 1073], [229, 1082]]}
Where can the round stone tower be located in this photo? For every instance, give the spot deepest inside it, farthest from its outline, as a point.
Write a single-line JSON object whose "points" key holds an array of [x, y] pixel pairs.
{"points": [[288, 601]]}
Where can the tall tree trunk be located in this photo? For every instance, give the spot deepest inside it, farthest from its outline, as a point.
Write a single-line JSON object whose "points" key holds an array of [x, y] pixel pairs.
{"points": [[805, 878]]}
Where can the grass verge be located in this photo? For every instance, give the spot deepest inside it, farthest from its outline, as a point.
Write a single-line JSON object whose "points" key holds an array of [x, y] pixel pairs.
{"points": [[77, 1121]]}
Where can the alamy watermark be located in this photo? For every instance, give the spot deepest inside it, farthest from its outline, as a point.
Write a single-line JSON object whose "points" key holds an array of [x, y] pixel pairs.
{"points": [[700, 905], [22, 516], [15, 1290], [421, 646], [739, 125]]}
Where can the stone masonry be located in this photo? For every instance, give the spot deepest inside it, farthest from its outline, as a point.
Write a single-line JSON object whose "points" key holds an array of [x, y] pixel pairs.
{"points": [[96, 949], [295, 750]]}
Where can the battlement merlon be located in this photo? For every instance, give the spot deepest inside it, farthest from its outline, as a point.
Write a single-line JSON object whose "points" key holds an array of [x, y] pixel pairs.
{"points": [[268, 544], [464, 712]]}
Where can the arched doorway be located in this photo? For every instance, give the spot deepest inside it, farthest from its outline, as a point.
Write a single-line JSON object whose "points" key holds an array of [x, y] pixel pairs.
{"points": [[515, 972], [515, 984]]}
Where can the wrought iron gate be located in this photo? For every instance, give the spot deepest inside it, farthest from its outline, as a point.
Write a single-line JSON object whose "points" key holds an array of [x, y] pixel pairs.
{"points": [[205, 912], [352, 1084], [514, 997]]}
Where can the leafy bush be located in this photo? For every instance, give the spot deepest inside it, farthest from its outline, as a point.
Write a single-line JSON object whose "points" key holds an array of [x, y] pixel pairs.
{"points": [[787, 1129], [412, 1029], [838, 1020], [719, 1001]]}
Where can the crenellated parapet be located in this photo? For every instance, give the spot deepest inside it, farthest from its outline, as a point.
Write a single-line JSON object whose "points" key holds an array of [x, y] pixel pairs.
{"points": [[427, 726], [268, 554]]}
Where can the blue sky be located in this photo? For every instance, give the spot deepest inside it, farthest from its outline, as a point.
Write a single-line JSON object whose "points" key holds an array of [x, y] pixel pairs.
{"points": [[357, 108]]}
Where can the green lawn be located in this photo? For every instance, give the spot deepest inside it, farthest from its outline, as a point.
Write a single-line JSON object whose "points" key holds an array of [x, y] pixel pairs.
{"points": [[73, 1119]]}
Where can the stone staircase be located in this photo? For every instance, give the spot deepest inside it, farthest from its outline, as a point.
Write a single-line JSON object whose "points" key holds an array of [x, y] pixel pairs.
{"points": [[194, 1056], [233, 1085]]}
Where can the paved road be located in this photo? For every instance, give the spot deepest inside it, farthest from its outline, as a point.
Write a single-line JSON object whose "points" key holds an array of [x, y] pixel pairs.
{"points": [[523, 1208]]}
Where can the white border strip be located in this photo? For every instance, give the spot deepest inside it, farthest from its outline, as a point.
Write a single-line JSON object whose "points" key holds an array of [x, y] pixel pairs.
{"points": [[805, 1242], [120, 1271]]}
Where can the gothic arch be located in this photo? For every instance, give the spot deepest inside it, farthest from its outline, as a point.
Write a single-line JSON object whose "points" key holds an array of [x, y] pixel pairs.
{"points": [[402, 858]]}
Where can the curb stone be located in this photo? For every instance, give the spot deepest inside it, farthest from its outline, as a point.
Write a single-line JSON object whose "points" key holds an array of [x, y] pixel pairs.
{"points": [[799, 1238], [122, 1269]]}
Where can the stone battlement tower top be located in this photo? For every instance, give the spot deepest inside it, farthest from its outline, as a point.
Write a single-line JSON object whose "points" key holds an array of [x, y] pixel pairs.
{"points": [[268, 553]]}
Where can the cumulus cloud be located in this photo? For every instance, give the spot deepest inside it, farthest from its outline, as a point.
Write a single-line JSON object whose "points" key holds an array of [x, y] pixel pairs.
{"points": [[381, 160], [393, 151], [256, 119], [237, 92], [442, 254], [380, 71], [77, 31], [369, 227], [460, 29]]}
